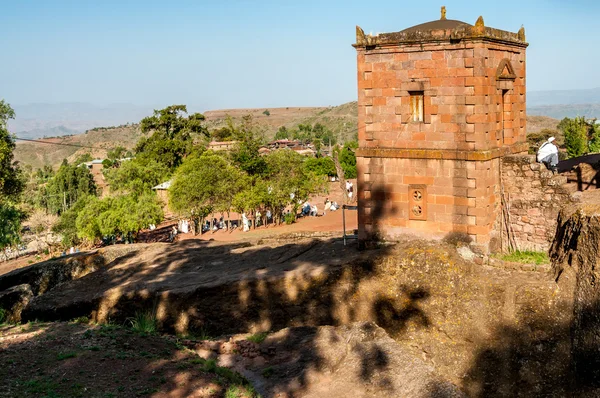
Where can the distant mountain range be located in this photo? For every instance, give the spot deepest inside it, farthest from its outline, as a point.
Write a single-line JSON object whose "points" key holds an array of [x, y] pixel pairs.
{"points": [[51, 120]]}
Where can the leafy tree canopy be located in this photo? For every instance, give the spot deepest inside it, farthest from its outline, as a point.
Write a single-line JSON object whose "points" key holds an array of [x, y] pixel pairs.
{"points": [[122, 215], [576, 135], [135, 177], [11, 182], [69, 184], [172, 138], [204, 184]]}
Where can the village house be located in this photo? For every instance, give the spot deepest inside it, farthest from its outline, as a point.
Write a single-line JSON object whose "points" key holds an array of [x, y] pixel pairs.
{"points": [[221, 145], [439, 105]]}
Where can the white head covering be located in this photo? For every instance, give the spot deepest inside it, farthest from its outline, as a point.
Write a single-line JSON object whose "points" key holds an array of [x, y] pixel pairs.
{"points": [[551, 139]]}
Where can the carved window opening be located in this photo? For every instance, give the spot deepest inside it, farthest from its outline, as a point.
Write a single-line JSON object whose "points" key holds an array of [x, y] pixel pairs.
{"points": [[504, 113], [416, 106], [417, 202]]}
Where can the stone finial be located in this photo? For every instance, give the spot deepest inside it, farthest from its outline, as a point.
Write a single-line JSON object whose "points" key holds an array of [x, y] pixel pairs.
{"points": [[361, 39], [521, 33], [443, 13], [479, 28]]}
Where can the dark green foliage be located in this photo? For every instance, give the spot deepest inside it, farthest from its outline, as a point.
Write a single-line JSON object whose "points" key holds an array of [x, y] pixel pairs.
{"points": [[576, 135], [66, 225], [116, 153], [348, 159], [312, 134], [11, 182], [323, 166], [86, 157], [172, 138], [282, 134], [286, 182], [245, 155], [221, 134], [267, 113], [204, 184], [70, 183], [135, 177], [121, 216]]}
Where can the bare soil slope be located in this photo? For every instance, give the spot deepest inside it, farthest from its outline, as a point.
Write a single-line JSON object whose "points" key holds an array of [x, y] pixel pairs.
{"points": [[97, 142]]}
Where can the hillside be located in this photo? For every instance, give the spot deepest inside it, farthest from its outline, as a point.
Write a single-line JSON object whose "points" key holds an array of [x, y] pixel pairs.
{"points": [[340, 119], [38, 154]]}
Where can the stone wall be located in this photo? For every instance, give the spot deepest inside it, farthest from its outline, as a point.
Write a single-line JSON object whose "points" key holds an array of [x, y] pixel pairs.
{"points": [[457, 196], [533, 198]]}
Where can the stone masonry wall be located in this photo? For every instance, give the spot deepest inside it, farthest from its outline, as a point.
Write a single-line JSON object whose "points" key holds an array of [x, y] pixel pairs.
{"points": [[460, 196], [465, 106], [534, 197]]}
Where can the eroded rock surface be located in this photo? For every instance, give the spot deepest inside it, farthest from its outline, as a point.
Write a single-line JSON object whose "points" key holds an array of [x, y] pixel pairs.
{"points": [[490, 331], [358, 360], [576, 255], [13, 301]]}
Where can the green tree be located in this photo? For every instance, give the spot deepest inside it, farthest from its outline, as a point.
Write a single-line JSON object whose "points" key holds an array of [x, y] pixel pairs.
{"points": [[205, 184], [11, 182], [594, 134], [172, 138], [576, 136], [282, 134], [348, 159], [134, 177], [288, 181], [66, 225], [69, 184], [85, 157], [122, 216], [245, 154], [323, 166], [116, 153]]}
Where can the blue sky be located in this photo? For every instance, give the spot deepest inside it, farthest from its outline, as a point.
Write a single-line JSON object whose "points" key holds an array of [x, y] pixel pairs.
{"points": [[233, 54]]}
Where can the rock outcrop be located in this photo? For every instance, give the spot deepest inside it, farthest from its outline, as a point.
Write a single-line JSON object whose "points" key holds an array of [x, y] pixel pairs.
{"points": [[576, 255], [13, 301]]}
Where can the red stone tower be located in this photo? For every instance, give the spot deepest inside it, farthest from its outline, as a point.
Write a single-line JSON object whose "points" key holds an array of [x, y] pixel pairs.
{"points": [[439, 104]]}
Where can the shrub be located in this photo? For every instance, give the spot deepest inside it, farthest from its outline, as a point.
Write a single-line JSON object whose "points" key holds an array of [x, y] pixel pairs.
{"points": [[2, 315], [289, 218], [258, 337], [144, 322]]}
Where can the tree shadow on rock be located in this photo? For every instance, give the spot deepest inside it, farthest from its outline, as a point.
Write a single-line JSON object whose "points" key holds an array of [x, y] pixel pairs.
{"points": [[544, 356]]}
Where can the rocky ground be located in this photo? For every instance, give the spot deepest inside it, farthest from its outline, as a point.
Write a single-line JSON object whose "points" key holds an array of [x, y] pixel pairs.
{"points": [[486, 330], [79, 360]]}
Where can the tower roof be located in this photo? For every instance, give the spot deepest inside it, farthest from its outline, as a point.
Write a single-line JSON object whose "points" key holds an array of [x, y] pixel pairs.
{"points": [[441, 30], [440, 24]]}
